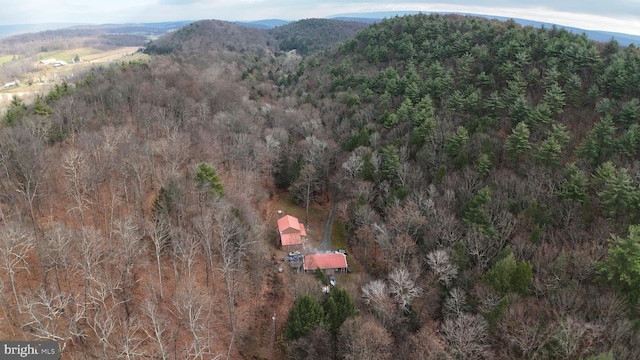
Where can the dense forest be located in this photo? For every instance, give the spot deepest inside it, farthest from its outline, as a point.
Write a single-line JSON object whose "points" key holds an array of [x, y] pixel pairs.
{"points": [[485, 176], [305, 36], [312, 35]]}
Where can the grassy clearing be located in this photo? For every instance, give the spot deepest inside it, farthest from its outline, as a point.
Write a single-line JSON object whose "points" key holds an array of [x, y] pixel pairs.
{"points": [[58, 55], [338, 241], [68, 55], [6, 58], [338, 234], [289, 206]]}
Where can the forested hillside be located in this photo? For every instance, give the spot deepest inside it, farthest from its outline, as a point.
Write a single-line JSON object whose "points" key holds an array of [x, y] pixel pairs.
{"points": [[203, 36], [305, 36], [311, 35], [485, 178]]}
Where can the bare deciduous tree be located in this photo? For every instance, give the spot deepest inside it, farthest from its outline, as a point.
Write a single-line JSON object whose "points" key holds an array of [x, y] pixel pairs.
{"points": [[205, 227], [136, 166], [188, 248], [315, 346], [382, 237], [129, 339], [353, 165], [456, 303], [445, 227], [102, 316], [76, 173], [481, 247], [56, 317], [159, 230], [15, 245], [272, 151], [373, 291], [610, 310], [403, 252], [376, 295], [425, 344], [315, 152], [525, 330], [194, 312], [128, 257], [440, 262], [406, 219], [30, 169], [174, 148], [573, 338], [233, 245], [467, 337], [158, 326], [305, 187], [402, 287], [90, 257], [364, 338], [56, 252]]}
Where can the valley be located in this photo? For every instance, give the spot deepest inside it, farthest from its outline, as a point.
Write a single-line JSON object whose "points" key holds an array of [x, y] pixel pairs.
{"points": [[60, 66], [482, 177]]}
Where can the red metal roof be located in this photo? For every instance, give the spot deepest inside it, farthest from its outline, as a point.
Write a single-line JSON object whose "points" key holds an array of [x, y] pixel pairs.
{"points": [[288, 222], [325, 261], [290, 239]]}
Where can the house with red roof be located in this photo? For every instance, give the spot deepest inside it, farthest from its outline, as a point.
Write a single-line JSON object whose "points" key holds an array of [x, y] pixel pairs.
{"points": [[292, 233], [328, 262]]}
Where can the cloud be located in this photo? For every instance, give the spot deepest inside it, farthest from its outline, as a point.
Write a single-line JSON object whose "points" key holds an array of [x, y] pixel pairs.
{"points": [[178, 2]]}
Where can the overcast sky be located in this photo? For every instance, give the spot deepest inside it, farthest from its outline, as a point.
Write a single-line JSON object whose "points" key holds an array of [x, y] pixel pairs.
{"points": [[612, 15]]}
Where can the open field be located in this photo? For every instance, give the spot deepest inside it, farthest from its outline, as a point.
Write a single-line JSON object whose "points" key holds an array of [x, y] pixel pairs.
{"points": [[68, 55], [47, 76], [88, 54], [127, 53], [6, 58]]}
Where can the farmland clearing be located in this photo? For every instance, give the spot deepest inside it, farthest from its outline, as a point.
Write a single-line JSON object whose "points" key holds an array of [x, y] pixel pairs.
{"points": [[48, 68]]}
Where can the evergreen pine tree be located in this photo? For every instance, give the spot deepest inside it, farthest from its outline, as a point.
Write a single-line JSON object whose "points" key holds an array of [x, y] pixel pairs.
{"points": [[208, 180], [305, 315], [517, 143]]}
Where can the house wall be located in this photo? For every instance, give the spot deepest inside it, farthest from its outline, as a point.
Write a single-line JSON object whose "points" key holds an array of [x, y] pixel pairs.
{"points": [[288, 248], [330, 271]]}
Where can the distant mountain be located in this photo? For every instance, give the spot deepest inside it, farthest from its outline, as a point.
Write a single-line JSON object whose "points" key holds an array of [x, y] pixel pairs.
{"points": [[211, 35], [597, 35], [305, 36], [357, 19], [310, 35], [9, 30], [264, 24], [158, 28]]}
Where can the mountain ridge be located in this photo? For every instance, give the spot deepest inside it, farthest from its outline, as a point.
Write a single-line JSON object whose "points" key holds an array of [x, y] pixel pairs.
{"points": [[597, 35], [623, 39]]}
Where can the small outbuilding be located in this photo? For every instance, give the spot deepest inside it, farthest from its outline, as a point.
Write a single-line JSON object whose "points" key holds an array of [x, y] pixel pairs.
{"points": [[330, 263], [292, 233], [50, 61]]}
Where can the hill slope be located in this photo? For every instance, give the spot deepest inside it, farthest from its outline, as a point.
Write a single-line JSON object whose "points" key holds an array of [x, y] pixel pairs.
{"points": [[306, 36], [310, 35], [498, 145], [210, 35], [484, 177], [597, 35]]}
